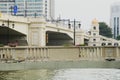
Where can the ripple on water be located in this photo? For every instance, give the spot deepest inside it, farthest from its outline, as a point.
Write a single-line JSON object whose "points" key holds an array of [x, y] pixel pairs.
{"points": [[62, 74]]}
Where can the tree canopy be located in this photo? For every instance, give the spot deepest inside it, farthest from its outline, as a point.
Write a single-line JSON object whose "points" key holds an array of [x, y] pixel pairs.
{"points": [[105, 30], [118, 37]]}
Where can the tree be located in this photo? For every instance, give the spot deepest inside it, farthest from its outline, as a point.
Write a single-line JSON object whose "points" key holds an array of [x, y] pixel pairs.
{"points": [[118, 37], [105, 30]]}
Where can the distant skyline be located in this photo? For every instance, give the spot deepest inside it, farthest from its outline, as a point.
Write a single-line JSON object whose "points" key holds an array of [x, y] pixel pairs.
{"points": [[84, 10]]}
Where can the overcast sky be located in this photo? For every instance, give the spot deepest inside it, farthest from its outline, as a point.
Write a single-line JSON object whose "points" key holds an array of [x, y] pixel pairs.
{"points": [[84, 10]]}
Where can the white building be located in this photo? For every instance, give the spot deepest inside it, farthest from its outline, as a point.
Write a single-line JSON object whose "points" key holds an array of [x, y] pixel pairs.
{"points": [[115, 19], [94, 39], [30, 8]]}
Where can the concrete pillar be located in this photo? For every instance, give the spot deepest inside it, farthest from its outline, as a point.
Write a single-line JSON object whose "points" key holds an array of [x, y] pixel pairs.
{"points": [[88, 52], [48, 56], [37, 35], [94, 53], [13, 52], [91, 54], [42, 53], [79, 37], [7, 54], [10, 53], [31, 54], [37, 53], [117, 53], [85, 53], [101, 53], [98, 53], [82, 53], [27, 54], [34, 54], [1, 54]]}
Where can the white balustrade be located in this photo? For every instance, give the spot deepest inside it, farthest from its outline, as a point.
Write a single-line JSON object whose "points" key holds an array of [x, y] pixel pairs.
{"points": [[44, 53]]}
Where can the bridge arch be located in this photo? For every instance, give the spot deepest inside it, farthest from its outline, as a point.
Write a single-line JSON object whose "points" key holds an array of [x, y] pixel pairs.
{"points": [[57, 39]]}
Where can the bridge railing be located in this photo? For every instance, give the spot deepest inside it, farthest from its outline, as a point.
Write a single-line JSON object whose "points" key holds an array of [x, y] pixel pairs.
{"points": [[19, 54]]}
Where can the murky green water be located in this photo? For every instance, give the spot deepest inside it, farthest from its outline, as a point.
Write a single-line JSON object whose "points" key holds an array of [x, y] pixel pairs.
{"points": [[62, 74]]}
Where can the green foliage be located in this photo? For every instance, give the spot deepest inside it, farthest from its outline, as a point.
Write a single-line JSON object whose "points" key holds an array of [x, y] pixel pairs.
{"points": [[1, 45], [105, 30], [118, 37]]}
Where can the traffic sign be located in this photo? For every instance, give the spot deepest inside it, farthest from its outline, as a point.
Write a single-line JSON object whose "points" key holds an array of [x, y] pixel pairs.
{"points": [[15, 9]]}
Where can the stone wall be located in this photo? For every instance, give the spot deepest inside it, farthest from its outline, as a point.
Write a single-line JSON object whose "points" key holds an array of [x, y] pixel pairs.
{"points": [[58, 53]]}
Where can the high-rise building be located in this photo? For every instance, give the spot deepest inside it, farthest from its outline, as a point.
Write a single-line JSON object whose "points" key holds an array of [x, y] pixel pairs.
{"points": [[115, 19], [29, 8]]}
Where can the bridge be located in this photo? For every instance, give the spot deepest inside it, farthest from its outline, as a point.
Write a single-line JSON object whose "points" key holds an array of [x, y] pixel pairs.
{"points": [[33, 31], [21, 31]]}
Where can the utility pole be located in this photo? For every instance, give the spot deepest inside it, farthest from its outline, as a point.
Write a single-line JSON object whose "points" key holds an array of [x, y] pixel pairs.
{"points": [[74, 31], [8, 31], [25, 8], [11, 9]]}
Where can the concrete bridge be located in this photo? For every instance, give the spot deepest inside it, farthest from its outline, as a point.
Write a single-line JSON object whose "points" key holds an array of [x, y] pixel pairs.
{"points": [[33, 31]]}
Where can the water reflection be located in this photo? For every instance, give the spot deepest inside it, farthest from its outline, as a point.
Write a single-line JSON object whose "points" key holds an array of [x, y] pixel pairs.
{"points": [[88, 74], [62, 74]]}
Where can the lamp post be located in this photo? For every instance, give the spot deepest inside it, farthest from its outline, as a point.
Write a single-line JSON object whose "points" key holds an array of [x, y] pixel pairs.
{"points": [[8, 31], [66, 20], [74, 31], [63, 20], [11, 9], [69, 26]]}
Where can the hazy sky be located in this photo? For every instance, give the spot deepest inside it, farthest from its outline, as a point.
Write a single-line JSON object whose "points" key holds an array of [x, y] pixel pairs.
{"points": [[84, 10]]}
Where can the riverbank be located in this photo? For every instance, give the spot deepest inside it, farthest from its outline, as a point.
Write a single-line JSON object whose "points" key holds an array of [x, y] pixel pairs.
{"points": [[58, 65]]}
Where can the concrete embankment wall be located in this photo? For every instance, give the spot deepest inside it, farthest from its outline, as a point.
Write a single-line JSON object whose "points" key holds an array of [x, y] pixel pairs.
{"points": [[59, 53], [22, 58]]}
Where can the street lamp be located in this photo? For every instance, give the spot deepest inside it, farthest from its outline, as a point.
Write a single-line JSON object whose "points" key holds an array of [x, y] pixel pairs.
{"points": [[11, 9], [74, 31], [8, 31], [79, 25], [65, 20], [74, 26]]}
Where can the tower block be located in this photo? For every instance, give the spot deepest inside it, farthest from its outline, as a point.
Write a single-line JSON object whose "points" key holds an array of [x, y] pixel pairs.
{"points": [[94, 39]]}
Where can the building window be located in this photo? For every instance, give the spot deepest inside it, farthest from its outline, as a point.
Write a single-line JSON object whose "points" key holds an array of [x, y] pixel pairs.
{"points": [[115, 44], [94, 34], [94, 44], [103, 44], [94, 39], [109, 44], [94, 28], [89, 32]]}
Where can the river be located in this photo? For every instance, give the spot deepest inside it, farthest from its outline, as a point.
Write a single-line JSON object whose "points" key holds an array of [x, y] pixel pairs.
{"points": [[63, 74]]}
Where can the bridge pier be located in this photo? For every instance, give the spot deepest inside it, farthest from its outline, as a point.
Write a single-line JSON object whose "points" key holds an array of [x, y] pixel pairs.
{"points": [[37, 34]]}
